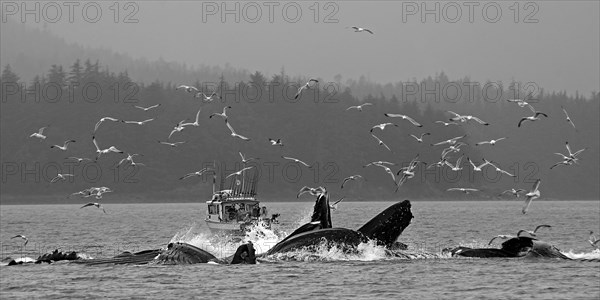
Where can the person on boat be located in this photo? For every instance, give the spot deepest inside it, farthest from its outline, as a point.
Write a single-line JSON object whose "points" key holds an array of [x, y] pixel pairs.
{"points": [[264, 214], [247, 218]]}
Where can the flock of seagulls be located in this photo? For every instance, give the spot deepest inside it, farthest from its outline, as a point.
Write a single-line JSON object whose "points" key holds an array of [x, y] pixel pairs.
{"points": [[399, 178]]}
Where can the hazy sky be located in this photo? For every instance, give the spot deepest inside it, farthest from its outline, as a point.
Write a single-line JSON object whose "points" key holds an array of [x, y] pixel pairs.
{"points": [[561, 51]]}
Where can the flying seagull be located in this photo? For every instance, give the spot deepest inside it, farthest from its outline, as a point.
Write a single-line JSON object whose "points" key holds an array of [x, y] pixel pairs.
{"points": [[146, 108], [277, 142], [178, 128], [138, 122], [313, 191], [222, 115], [78, 159], [197, 173], [451, 141], [380, 142], [478, 168], [464, 190], [129, 158], [171, 144], [105, 119], [207, 98], [404, 117], [359, 107], [353, 177], [532, 233], [22, 237], [533, 194], [296, 161], [98, 205], [60, 177], [104, 151], [187, 88], [239, 172], [64, 146], [535, 116], [305, 86], [382, 126], [335, 204], [40, 134], [196, 123], [360, 29], [514, 192], [568, 118], [491, 142], [446, 124], [420, 139], [234, 134], [247, 160], [466, 118]]}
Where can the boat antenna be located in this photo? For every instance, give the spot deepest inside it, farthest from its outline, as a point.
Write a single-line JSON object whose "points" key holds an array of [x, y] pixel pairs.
{"points": [[214, 177]]}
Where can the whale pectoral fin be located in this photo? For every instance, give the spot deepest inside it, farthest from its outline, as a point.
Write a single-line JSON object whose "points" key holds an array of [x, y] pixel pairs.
{"points": [[182, 253], [245, 254], [386, 227]]}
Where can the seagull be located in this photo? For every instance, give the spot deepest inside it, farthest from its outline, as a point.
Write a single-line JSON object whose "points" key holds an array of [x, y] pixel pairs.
{"points": [[313, 191], [196, 123], [532, 118], [532, 233], [498, 168], [456, 167], [277, 142], [478, 168], [359, 107], [353, 177], [178, 128], [130, 159], [382, 126], [239, 172], [334, 205], [171, 144], [464, 190], [568, 118], [491, 142], [78, 159], [389, 171], [98, 205], [223, 115], [420, 139], [305, 86], [533, 194], [104, 151], [404, 117], [407, 172], [234, 134], [446, 124], [379, 163], [519, 102], [451, 141], [360, 29], [22, 237], [64, 146], [571, 154], [187, 88], [146, 108], [247, 160], [138, 123], [207, 98], [453, 148], [381, 143], [514, 192], [567, 161], [501, 236], [60, 177], [297, 161], [465, 118], [40, 134], [595, 242], [438, 164], [197, 173], [105, 119]]}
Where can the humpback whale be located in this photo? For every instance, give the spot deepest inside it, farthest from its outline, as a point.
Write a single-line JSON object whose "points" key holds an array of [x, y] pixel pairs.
{"points": [[514, 247], [384, 229]]}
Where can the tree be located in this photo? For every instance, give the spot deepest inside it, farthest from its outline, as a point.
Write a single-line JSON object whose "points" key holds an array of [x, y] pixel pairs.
{"points": [[8, 75]]}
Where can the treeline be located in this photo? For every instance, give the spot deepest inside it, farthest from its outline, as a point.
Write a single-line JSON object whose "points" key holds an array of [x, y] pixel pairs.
{"points": [[316, 128]]}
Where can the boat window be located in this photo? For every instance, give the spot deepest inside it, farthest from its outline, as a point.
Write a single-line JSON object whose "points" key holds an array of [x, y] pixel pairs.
{"points": [[212, 209]]}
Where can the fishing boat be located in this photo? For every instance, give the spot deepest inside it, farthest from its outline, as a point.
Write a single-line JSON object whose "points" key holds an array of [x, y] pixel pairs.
{"points": [[234, 207]]}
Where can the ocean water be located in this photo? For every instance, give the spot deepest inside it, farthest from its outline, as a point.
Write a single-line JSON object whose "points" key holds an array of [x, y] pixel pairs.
{"points": [[326, 274]]}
